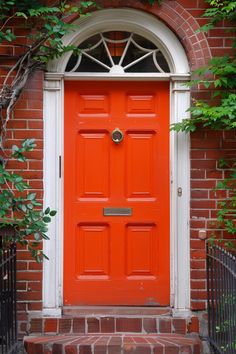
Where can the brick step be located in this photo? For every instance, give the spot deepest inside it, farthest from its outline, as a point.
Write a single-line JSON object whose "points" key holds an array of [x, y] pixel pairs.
{"points": [[100, 343], [112, 323]]}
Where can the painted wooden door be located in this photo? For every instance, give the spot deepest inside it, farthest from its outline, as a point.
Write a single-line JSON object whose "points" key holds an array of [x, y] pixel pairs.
{"points": [[112, 259]]}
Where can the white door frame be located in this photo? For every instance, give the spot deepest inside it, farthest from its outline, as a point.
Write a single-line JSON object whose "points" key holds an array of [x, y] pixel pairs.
{"points": [[151, 28]]}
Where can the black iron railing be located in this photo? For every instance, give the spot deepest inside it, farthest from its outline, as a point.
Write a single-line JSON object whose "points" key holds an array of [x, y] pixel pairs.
{"points": [[8, 321], [221, 279]]}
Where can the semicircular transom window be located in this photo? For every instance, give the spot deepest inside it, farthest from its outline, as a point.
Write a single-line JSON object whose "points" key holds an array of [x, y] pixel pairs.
{"points": [[118, 52]]}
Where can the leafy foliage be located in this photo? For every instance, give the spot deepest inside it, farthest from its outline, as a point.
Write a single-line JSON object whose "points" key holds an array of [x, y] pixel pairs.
{"points": [[19, 207], [219, 76], [219, 10], [226, 215]]}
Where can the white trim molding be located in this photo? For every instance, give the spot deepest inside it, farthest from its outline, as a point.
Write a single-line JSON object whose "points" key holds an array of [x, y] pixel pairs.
{"points": [[151, 28]]}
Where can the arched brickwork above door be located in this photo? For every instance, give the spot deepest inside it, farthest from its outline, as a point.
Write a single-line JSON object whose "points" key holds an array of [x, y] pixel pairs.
{"points": [[179, 20], [182, 23]]}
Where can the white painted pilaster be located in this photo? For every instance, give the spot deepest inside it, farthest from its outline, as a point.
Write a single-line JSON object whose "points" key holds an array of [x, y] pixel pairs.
{"points": [[53, 194], [180, 208]]}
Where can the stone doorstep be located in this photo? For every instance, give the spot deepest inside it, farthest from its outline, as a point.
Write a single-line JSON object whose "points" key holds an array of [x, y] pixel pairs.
{"points": [[112, 324], [121, 311], [100, 343]]}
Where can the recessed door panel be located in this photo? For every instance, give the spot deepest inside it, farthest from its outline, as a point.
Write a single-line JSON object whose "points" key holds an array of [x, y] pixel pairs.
{"points": [[141, 245], [92, 160], [140, 164], [92, 251], [116, 192]]}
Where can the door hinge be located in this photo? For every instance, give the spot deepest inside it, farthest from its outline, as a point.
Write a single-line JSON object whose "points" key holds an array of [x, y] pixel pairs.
{"points": [[59, 166]]}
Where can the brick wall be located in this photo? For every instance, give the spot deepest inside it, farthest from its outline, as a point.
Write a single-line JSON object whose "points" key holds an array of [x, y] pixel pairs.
{"points": [[183, 17]]}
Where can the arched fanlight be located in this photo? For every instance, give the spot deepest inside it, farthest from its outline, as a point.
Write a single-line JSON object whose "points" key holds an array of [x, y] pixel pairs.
{"points": [[118, 52]]}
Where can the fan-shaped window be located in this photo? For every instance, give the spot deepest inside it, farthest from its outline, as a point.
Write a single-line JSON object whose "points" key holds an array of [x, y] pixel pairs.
{"points": [[118, 52]]}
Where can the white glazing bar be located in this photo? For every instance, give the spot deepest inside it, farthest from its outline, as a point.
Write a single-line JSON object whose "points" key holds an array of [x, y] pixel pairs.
{"points": [[137, 60], [107, 50], [156, 63], [96, 60], [126, 49], [77, 64], [140, 47]]}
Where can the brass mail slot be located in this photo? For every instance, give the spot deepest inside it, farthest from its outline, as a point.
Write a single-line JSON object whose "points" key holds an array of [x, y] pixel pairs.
{"points": [[117, 211]]}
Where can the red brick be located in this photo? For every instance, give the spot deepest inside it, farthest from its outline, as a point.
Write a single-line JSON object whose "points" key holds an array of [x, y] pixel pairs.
{"points": [[85, 349], [198, 254], [36, 325], [50, 325], [198, 305], [107, 325], [165, 325], [35, 165], [203, 164], [23, 114], [149, 325], [199, 194], [198, 174], [29, 275], [203, 204], [198, 284], [21, 265], [205, 144], [34, 286], [28, 134], [198, 264], [35, 124], [139, 350], [179, 325], [35, 104], [79, 325], [35, 266], [198, 295], [70, 349], [197, 224], [214, 174], [35, 306], [128, 325], [65, 325], [29, 295], [93, 325], [203, 184], [198, 274]]}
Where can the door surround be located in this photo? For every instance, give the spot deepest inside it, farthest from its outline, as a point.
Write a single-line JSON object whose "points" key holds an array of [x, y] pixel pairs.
{"points": [[151, 28]]}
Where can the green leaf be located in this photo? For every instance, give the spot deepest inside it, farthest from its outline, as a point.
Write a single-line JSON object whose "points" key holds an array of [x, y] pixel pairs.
{"points": [[21, 14], [47, 211], [31, 196], [37, 236], [52, 212], [46, 219]]}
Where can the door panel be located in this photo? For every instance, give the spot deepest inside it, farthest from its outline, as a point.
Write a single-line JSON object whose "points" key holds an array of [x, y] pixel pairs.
{"points": [[116, 259]]}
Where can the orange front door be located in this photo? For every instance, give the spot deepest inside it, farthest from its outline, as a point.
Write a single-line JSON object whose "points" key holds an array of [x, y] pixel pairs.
{"points": [[116, 193]]}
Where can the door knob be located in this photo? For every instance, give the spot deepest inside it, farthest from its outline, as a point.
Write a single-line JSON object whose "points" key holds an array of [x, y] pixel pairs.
{"points": [[117, 136]]}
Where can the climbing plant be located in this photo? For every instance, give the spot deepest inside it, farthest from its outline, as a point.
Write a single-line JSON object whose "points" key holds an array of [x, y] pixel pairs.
{"points": [[219, 76]]}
